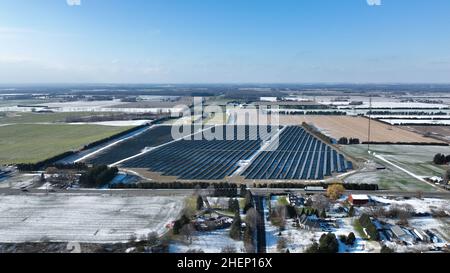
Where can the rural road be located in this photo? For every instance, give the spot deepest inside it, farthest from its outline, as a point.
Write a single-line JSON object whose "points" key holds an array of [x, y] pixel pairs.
{"points": [[444, 195], [256, 191], [260, 225]]}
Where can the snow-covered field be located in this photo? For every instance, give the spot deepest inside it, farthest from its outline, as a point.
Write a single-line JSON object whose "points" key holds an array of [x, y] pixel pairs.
{"points": [[83, 104], [391, 116], [87, 106], [393, 105], [416, 121], [209, 242], [425, 205], [116, 123], [84, 218]]}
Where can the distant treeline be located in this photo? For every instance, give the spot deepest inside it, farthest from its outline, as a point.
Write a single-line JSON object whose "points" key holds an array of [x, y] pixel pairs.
{"points": [[312, 113], [290, 185], [32, 167], [406, 143], [303, 106], [219, 189], [112, 117], [317, 133], [121, 134], [407, 113]]}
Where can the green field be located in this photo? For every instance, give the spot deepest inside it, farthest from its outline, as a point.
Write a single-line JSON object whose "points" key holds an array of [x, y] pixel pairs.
{"points": [[416, 159], [29, 143]]}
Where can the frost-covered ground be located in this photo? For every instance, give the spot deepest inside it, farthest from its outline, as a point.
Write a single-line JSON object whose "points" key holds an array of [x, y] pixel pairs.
{"points": [[208, 242], [298, 240], [416, 121], [118, 123], [84, 218], [416, 159], [425, 205]]}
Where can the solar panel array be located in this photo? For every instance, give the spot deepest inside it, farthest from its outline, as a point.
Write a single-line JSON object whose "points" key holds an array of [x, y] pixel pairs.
{"points": [[204, 159], [299, 156], [154, 136]]}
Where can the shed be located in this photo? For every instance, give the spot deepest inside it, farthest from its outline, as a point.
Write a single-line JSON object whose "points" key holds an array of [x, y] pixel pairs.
{"points": [[358, 199]]}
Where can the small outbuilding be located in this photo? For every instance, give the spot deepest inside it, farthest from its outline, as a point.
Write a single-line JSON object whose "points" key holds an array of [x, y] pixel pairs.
{"points": [[401, 234], [358, 199]]}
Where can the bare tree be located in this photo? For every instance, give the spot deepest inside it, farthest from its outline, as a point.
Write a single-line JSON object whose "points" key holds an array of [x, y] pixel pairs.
{"points": [[252, 218], [229, 249], [187, 231], [281, 244], [320, 202], [153, 238]]}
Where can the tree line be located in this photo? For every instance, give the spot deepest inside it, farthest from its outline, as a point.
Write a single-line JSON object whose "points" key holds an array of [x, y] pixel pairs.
{"points": [[98, 176], [348, 141], [441, 159], [231, 189]]}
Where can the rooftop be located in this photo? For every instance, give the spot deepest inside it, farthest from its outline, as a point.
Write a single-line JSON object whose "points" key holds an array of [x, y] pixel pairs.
{"points": [[359, 197]]}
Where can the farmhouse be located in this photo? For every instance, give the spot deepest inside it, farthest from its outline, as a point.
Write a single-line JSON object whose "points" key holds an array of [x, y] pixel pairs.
{"points": [[358, 199]]}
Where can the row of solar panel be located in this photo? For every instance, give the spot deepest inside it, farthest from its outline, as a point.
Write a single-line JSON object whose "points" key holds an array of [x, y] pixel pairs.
{"points": [[298, 156], [202, 159]]}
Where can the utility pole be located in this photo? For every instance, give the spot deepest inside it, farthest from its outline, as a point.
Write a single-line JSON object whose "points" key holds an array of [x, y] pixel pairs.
{"points": [[370, 120]]}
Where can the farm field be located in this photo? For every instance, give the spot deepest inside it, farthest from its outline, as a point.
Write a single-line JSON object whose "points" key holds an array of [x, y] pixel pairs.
{"points": [[149, 138], [440, 132], [356, 127], [417, 121], [29, 118], [156, 103], [416, 159], [29, 143], [84, 218], [298, 156]]}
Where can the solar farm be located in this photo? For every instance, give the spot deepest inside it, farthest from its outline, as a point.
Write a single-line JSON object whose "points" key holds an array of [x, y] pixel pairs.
{"points": [[270, 153], [151, 137], [299, 156], [190, 159]]}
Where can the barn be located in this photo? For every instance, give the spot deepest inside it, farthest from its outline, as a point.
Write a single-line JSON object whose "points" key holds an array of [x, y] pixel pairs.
{"points": [[358, 199]]}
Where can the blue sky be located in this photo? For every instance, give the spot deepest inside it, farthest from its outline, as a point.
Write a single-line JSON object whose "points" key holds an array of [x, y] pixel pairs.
{"points": [[224, 41]]}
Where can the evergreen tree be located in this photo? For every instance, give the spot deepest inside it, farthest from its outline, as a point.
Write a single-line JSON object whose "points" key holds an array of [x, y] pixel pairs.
{"points": [[235, 231], [199, 202], [248, 201], [323, 214], [351, 211], [386, 249], [351, 239]]}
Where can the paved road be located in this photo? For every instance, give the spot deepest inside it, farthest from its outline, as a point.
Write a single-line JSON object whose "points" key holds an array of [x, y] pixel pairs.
{"points": [[260, 226], [444, 195], [256, 191], [124, 192]]}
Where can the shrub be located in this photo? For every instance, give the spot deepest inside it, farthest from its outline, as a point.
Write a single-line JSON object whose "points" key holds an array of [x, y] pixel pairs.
{"points": [[98, 176], [335, 191], [371, 229]]}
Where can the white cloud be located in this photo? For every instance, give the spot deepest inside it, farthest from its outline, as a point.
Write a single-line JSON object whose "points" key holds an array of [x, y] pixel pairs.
{"points": [[374, 2], [73, 2]]}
